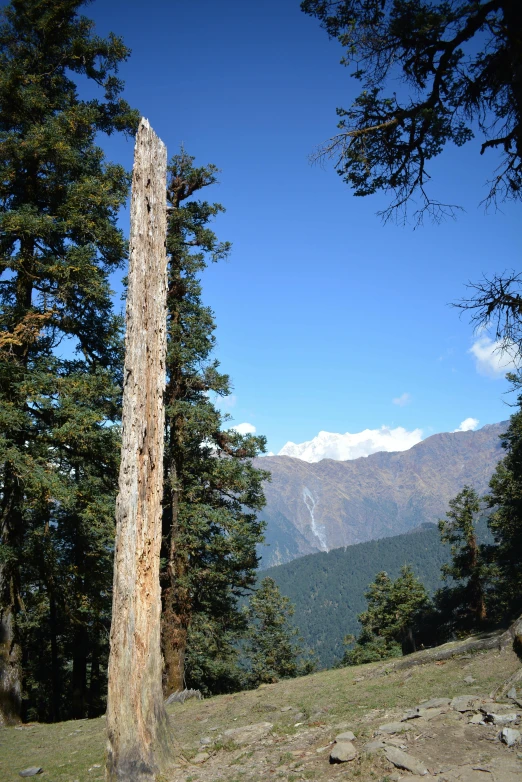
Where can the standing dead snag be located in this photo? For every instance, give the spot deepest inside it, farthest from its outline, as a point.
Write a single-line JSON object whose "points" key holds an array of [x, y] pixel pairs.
{"points": [[138, 735]]}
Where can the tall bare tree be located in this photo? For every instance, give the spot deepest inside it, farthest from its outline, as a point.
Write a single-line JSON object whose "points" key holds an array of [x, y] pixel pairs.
{"points": [[139, 743]]}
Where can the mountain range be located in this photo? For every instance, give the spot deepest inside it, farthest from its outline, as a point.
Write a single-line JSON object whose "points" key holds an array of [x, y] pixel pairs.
{"points": [[329, 504]]}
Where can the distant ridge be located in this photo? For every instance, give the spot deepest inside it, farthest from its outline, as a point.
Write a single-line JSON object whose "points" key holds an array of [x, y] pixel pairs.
{"points": [[324, 505]]}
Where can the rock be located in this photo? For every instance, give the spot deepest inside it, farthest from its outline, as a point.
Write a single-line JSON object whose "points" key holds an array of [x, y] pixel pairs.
{"points": [[401, 759], [393, 727], [374, 746], [501, 719], [346, 736], [510, 736], [476, 719], [31, 772], [512, 693], [464, 703], [416, 712], [434, 703], [286, 708], [342, 752], [249, 733], [469, 680], [205, 741], [200, 757], [359, 679]]}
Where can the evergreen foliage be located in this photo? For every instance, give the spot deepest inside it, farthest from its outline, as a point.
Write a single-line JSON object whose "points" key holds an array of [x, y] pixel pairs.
{"points": [[505, 521], [212, 491], [463, 604], [327, 589], [459, 63], [272, 646], [60, 349], [392, 619]]}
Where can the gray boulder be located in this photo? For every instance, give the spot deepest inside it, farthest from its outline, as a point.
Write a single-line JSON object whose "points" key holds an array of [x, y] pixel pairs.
{"points": [[510, 736], [342, 752], [346, 736], [401, 759], [31, 772]]}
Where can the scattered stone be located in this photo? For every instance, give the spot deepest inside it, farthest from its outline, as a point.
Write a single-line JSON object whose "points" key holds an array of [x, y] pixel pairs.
{"points": [[286, 708], [512, 693], [477, 719], [500, 719], [31, 772], [200, 757], [346, 736], [416, 712], [205, 741], [359, 679], [342, 752], [435, 703], [323, 749], [509, 736], [249, 733], [374, 746], [393, 727], [469, 680], [464, 703], [401, 759]]}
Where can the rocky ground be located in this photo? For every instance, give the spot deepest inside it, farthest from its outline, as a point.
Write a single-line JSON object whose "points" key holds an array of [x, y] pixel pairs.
{"points": [[378, 722]]}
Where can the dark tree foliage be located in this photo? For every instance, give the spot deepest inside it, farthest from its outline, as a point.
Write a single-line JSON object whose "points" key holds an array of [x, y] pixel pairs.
{"points": [[505, 521], [496, 305], [60, 351], [468, 568], [273, 645], [391, 621], [431, 73], [212, 491]]}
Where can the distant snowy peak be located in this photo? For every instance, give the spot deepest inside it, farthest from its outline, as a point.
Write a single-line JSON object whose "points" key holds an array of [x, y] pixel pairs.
{"points": [[330, 445]]}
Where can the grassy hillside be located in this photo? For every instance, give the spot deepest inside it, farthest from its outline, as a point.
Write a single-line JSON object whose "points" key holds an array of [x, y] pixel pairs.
{"points": [[328, 588], [294, 723]]}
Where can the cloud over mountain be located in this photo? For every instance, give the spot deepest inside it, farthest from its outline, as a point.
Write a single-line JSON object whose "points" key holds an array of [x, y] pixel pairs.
{"points": [[330, 445]]}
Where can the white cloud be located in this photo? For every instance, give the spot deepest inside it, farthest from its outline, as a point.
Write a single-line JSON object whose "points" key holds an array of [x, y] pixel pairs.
{"points": [[244, 428], [468, 425], [403, 399], [330, 445], [490, 359]]}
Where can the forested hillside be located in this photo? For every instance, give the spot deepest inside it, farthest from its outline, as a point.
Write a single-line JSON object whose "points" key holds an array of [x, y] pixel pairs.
{"points": [[328, 588]]}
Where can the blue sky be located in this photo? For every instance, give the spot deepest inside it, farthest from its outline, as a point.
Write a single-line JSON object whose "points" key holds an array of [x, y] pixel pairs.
{"points": [[324, 315]]}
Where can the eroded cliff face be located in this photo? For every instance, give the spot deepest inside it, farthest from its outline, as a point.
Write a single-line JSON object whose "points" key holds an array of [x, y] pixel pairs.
{"points": [[324, 505]]}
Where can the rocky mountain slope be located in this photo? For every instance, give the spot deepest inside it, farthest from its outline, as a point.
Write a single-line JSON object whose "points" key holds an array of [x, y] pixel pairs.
{"points": [[328, 504]]}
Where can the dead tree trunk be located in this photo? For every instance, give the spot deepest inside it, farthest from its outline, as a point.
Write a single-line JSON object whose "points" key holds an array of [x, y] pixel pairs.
{"points": [[139, 744]]}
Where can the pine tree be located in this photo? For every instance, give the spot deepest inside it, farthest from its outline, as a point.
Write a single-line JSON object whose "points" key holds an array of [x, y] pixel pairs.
{"points": [[505, 522], [212, 491], [273, 647], [466, 600], [389, 625], [60, 347]]}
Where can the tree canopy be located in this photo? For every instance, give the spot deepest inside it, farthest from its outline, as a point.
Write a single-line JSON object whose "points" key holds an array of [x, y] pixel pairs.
{"points": [[431, 73]]}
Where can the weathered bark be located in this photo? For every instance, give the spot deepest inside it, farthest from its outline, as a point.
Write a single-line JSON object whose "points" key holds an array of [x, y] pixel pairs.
{"points": [[138, 731]]}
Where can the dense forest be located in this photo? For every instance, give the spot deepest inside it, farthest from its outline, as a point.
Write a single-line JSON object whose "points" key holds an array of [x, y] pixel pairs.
{"points": [[327, 589]]}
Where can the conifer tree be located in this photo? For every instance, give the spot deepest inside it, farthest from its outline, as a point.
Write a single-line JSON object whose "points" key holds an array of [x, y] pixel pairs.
{"points": [[389, 625], [212, 491], [59, 345], [505, 521], [466, 600], [272, 648]]}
